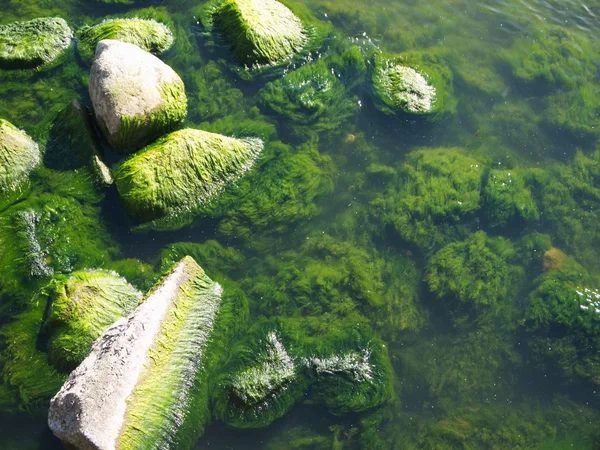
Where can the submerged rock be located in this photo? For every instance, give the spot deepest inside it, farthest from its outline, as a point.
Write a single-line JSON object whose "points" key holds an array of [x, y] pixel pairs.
{"points": [[148, 34], [412, 83], [182, 171], [72, 144], [137, 388], [260, 32], [19, 155], [277, 366], [136, 97], [25, 45], [83, 305]]}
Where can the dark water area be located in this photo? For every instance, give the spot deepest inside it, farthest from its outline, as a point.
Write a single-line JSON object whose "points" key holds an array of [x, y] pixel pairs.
{"points": [[465, 243]]}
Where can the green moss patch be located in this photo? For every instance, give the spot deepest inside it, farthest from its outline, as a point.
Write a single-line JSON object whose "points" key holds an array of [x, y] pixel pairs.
{"points": [[25, 45]]}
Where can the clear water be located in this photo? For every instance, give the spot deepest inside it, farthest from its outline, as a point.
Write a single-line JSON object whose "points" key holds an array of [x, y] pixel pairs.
{"points": [[470, 384]]}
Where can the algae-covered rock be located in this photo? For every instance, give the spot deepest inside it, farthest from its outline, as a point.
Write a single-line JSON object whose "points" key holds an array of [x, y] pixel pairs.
{"points": [[83, 305], [353, 373], [19, 155], [563, 317], [148, 34], [302, 96], [72, 144], [436, 194], [182, 171], [138, 388], [260, 32], [280, 362], [473, 273], [507, 200], [25, 45], [136, 97], [412, 83]]}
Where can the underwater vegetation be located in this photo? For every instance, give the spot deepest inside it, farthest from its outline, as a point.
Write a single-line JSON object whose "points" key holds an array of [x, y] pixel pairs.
{"points": [[25, 45], [260, 33], [19, 155], [82, 305], [412, 83], [433, 197], [272, 370], [180, 172], [148, 34]]}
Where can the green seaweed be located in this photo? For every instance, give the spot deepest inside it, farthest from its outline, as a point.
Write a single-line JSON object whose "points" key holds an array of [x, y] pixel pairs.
{"points": [[180, 172], [168, 408], [19, 155], [434, 197], [148, 34], [412, 83], [473, 274], [82, 305], [507, 200], [34, 43]]}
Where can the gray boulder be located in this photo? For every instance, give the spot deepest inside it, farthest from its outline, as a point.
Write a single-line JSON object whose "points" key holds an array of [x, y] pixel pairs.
{"points": [[136, 97]]}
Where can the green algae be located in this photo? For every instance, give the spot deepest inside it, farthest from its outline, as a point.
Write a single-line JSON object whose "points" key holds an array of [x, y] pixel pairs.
{"points": [[72, 144], [436, 193], [507, 200], [182, 171], [148, 34], [412, 83], [83, 304], [260, 32], [47, 235], [34, 43], [19, 155], [168, 406]]}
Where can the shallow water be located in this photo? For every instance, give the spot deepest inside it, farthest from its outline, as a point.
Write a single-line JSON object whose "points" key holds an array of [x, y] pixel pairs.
{"points": [[323, 244]]}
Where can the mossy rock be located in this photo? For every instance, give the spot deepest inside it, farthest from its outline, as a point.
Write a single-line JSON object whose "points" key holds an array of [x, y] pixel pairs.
{"points": [[304, 95], [414, 83], [38, 42], [260, 32], [182, 171], [82, 306], [262, 382], [352, 373], [507, 200], [475, 273], [72, 144], [135, 96], [435, 196], [19, 155], [148, 34], [563, 317]]}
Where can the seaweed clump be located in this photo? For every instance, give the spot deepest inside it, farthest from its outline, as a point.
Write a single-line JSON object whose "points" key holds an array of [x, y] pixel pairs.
{"points": [[435, 196], [83, 305], [148, 34], [563, 317], [473, 274], [26, 45], [19, 155], [260, 32], [412, 83], [180, 172]]}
